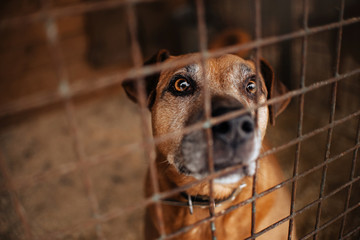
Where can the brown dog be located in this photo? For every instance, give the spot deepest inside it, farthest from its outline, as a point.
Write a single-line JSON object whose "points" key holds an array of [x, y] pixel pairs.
{"points": [[176, 100]]}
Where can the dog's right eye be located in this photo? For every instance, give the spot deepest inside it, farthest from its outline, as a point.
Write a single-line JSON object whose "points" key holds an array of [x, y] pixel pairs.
{"points": [[251, 87], [181, 86]]}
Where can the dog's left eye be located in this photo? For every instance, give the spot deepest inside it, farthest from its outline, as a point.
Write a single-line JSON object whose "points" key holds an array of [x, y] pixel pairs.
{"points": [[182, 85], [251, 86]]}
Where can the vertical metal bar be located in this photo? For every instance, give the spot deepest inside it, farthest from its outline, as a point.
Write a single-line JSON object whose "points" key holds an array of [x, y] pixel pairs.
{"points": [[327, 155], [332, 117], [150, 153], [202, 33], [341, 18], [81, 156], [19, 209], [352, 176], [258, 28], [301, 115], [349, 234], [339, 40], [52, 39]]}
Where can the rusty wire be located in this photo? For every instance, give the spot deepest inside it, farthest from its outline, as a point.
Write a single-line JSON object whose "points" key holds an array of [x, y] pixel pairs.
{"points": [[19, 208], [66, 92], [76, 9], [79, 88], [150, 154], [317, 230], [67, 168], [331, 119], [63, 80], [114, 213], [146, 202], [202, 33], [258, 36], [252, 199], [352, 176], [348, 235], [301, 116]]}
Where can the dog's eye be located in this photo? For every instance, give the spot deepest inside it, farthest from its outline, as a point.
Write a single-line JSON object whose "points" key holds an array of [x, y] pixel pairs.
{"points": [[251, 86], [182, 85]]}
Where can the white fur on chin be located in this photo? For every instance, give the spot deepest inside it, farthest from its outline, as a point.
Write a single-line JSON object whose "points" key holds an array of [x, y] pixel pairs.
{"points": [[229, 179]]}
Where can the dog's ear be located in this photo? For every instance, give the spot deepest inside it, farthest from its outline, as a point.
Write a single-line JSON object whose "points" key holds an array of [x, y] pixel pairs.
{"points": [[275, 88], [150, 81]]}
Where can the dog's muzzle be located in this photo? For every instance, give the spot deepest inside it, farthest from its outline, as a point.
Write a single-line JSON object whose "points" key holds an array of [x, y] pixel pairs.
{"points": [[235, 142]]}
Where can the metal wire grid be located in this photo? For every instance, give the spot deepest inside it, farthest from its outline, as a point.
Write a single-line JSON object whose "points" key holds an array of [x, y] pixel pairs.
{"points": [[66, 92]]}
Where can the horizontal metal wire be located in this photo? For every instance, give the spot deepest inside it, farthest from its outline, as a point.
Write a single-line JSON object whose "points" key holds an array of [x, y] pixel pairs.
{"points": [[83, 87], [348, 235], [57, 58], [74, 9], [18, 207], [331, 221], [70, 167], [117, 212], [303, 209], [274, 225], [67, 168], [234, 114], [86, 87]]}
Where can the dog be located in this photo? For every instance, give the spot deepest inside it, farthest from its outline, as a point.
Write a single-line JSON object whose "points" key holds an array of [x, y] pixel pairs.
{"points": [[175, 98]]}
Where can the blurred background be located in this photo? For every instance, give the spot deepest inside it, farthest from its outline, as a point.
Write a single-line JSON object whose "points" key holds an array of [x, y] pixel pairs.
{"points": [[45, 185]]}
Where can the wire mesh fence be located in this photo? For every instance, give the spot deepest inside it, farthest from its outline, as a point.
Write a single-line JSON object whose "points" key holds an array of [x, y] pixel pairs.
{"points": [[66, 93]]}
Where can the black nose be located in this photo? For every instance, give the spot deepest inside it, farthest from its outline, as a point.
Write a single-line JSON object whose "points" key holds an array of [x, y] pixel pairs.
{"points": [[234, 130]]}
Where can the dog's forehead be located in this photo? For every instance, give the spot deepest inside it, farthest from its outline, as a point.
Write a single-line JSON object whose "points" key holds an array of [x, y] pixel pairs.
{"points": [[218, 70], [231, 62], [224, 64]]}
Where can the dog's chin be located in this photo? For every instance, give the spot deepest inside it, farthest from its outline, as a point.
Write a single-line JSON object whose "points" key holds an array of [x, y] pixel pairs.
{"points": [[237, 176], [228, 178]]}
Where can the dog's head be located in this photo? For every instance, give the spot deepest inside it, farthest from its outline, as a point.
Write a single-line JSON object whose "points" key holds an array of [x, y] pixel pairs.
{"points": [[176, 100]]}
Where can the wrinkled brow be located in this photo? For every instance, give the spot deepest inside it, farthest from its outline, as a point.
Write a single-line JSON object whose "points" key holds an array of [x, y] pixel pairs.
{"points": [[193, 68], [245, 69], [239, 71]]}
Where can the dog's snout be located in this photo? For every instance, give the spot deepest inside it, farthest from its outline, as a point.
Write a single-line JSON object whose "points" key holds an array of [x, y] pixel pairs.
{"points": [[234, 130]]}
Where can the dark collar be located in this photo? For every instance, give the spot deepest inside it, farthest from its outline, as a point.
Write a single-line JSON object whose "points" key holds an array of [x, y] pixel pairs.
{"points": [[202, 201]]}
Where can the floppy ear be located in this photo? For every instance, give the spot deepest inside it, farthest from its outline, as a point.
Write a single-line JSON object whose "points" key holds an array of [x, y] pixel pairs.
{"points": [[150, 81], [275, 88]]}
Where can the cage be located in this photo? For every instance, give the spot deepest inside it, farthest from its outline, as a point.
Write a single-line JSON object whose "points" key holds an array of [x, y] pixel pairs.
{"points": [[74, 150]]}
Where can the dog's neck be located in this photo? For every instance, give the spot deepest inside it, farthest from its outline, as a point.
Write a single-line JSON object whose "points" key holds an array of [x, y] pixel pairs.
{"points": [[169, 178], [200, 201]]}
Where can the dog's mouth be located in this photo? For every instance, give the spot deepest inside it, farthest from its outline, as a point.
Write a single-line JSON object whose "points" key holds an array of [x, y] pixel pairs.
{"points": [[192, 157]]}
